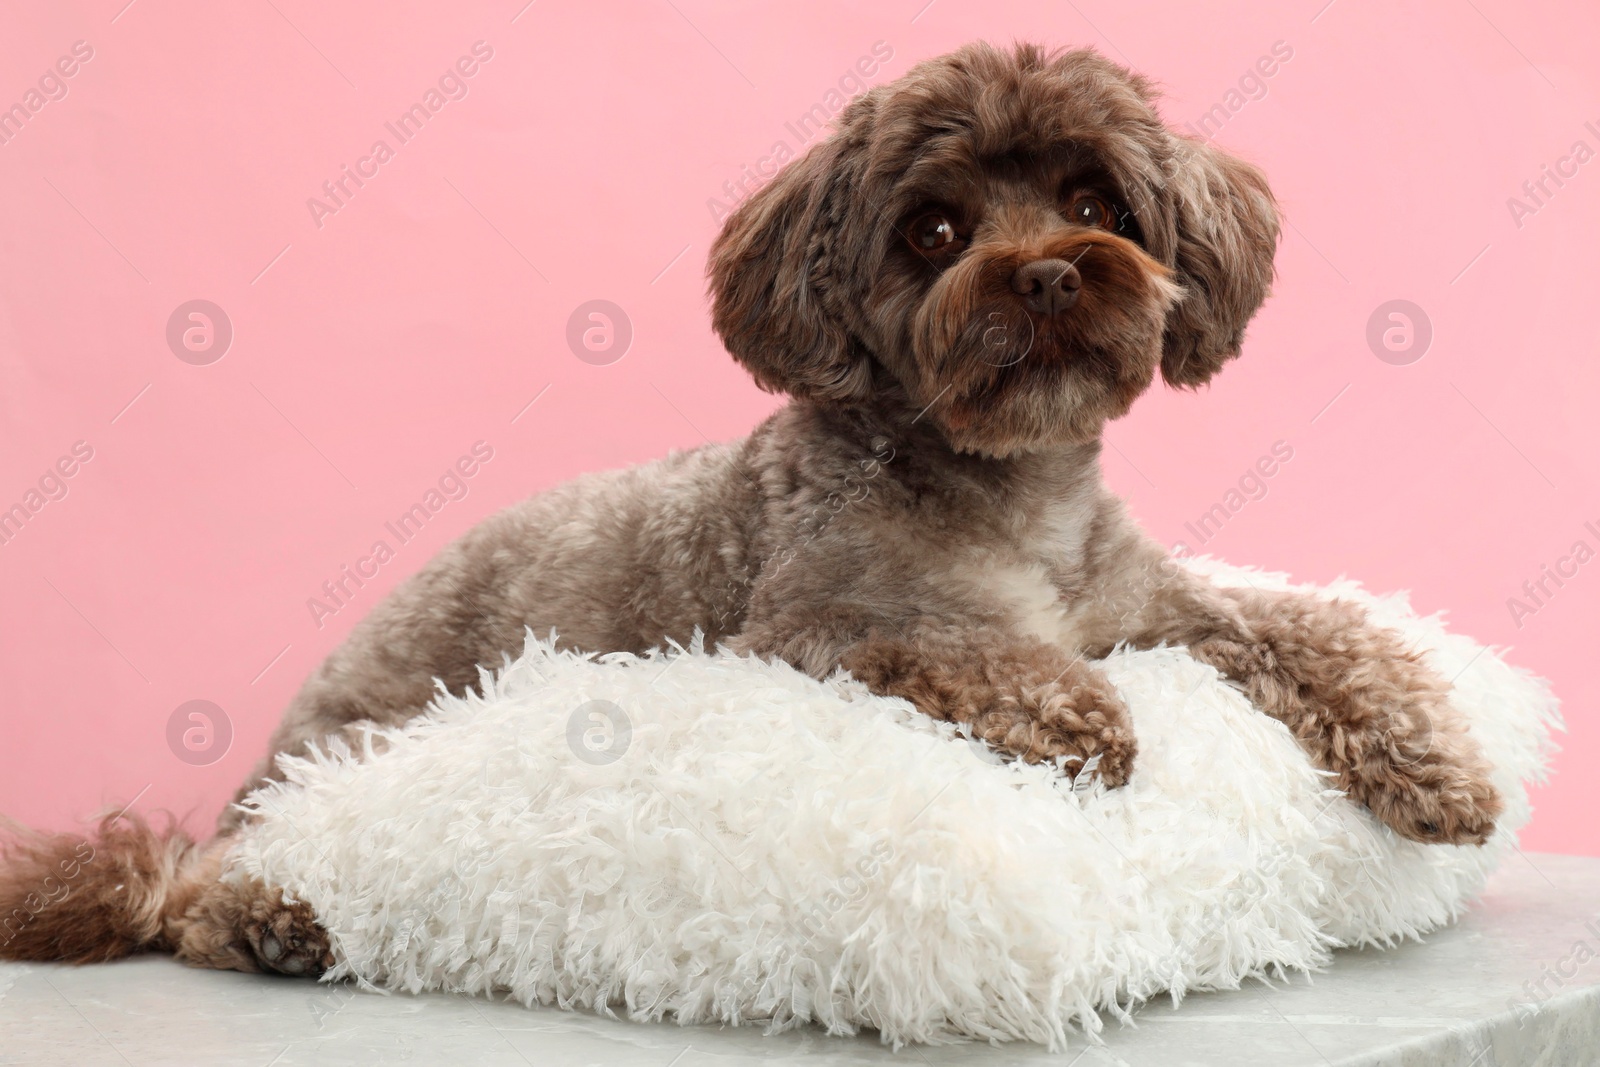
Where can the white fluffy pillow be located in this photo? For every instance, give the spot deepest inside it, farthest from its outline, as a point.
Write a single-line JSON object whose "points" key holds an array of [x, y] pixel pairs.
{"points": [[703, 838]]}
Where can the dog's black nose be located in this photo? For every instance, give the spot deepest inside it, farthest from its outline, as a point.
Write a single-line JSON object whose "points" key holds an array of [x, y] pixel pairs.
{"points": [[1048, 286]]}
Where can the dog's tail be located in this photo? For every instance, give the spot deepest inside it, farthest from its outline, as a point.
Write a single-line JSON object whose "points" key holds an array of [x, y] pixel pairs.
{"points": [[85, 899]]}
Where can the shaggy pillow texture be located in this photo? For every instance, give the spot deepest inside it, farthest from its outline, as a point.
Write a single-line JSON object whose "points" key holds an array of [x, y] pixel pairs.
{"points": [[704, 838]]}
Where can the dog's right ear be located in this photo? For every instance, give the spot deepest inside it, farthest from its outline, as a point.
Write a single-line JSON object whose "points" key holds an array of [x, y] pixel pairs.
{"points": [[774, 282]]}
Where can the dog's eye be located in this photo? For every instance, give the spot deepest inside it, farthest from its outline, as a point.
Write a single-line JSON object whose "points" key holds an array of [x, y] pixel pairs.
{"points": [[934, 235], [1092, 210]]}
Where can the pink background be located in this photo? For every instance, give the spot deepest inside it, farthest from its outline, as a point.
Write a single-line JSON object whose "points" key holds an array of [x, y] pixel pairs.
{"points": [[372, 351]]}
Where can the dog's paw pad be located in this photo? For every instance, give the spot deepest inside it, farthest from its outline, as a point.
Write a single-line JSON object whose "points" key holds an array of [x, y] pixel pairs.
{"points": [[285, 939]]}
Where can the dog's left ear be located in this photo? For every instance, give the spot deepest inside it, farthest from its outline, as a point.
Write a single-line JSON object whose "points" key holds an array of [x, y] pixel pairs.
{"points": [[1226, 225], [775, 281]]}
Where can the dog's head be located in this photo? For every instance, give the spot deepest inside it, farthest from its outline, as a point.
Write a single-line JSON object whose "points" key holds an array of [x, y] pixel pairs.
{"points": [[1013, 239]]}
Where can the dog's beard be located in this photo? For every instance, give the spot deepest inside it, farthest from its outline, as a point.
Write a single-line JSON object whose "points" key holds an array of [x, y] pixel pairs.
{"points": [[1000, 379]]}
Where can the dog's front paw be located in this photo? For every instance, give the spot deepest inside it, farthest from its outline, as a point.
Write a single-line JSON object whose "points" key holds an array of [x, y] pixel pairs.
{"points": [[1086, 725], [1021, 699], [1366, 707], [1107, 755], [1411, 760], [1443, 806], [1426, 780]]}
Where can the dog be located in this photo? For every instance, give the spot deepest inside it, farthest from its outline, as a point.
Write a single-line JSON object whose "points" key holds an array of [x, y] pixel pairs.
{"points": [[983, 264]]}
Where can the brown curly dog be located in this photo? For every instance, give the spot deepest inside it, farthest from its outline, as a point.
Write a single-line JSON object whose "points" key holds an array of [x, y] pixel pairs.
{"points": [[984, 263]]}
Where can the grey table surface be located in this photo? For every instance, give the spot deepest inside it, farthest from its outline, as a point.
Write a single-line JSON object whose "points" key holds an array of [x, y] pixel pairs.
{"points": [[1516, 982]]}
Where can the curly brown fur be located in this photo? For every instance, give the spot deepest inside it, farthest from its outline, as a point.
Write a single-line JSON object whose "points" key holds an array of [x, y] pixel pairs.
{"points": [[988, 260], [1024, 698], [1365, 707], [815, 301]]}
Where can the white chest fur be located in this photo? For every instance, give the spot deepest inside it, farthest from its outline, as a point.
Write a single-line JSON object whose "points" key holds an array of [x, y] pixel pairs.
{"points": [[1024, 581]]}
